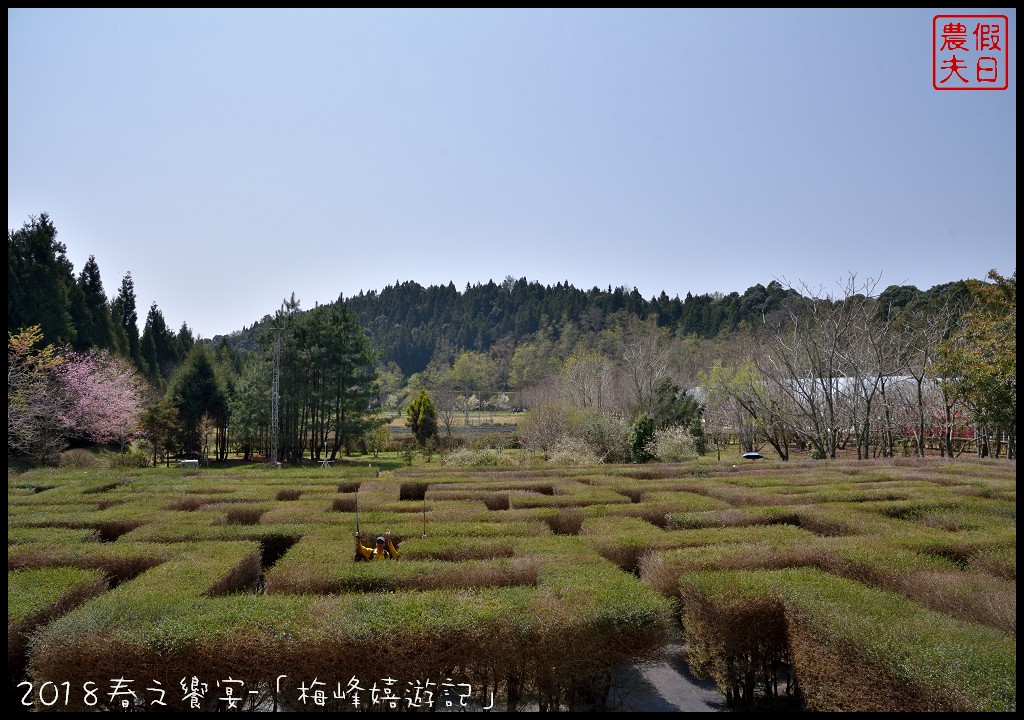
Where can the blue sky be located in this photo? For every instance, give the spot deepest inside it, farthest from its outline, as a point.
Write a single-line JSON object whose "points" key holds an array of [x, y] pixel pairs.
{"points": [[229, 158]]}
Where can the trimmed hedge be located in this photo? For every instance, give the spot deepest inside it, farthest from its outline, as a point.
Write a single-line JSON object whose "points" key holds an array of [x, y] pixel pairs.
{"points": [[523, 581], [512, 638], [35, 596], [852, 648]]}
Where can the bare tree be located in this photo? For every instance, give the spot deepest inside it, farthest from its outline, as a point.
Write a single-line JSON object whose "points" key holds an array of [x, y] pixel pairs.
{"points": [[474, 375], [645, 361], [447, 403], [932, 391], [806, 358], [718, 419], [545, 425], [752, 407], [547, 390], [586, 377], [873, 363]]}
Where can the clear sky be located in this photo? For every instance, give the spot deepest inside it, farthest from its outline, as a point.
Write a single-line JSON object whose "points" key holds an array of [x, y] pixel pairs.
{"points": [[228, 158]]}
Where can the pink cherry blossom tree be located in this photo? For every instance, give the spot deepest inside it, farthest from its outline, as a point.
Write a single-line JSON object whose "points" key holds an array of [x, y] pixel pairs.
{"points": [[106, 396]]}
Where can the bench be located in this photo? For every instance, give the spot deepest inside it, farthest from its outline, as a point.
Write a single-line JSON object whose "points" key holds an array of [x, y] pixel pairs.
{"points": [[190, 464]]}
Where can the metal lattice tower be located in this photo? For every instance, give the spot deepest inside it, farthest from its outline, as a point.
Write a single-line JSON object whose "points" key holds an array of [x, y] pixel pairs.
{"points": [[275, 400]]}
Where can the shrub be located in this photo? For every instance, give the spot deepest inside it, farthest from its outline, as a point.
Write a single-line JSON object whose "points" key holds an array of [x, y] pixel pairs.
{"points": [[333, 577], [378, 439], [496, 501], [496, 441], [186, 504], [918, 659], [119, 562], [545, 425], [404, 443], [539, 598], [568, 521], [478, 458], [674, 444], [130, 459], [35, 596], [571, 451], [998, 561], [78, 458], [245, 514], [641, 438], [412, 491], [51, 535], [606, 436], [450, 443], [736, 635], [344, 504]]}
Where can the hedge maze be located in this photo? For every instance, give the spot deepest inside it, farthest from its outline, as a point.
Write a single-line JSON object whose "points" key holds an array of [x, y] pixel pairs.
{"points": [[824, 586]]}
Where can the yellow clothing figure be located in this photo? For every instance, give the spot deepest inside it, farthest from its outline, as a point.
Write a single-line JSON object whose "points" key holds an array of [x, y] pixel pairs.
{"points": [[383, 550]]}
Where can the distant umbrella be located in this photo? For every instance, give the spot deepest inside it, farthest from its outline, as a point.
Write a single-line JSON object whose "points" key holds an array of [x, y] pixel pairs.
{"points": [[753, 456]]}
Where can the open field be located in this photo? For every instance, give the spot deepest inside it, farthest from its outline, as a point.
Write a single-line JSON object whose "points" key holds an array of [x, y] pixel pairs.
{"points": [[500, 419], [852, 586]]}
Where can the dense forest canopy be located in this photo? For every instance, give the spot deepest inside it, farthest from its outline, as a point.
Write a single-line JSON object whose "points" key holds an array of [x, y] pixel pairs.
{"points": [[409, 323]]}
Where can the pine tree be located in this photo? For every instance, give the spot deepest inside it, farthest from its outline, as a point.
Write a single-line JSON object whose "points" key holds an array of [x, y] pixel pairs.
{"points": [[421, 418], [161, 349], [39, 281], [94, 329], [197, 391], [126, 314]]}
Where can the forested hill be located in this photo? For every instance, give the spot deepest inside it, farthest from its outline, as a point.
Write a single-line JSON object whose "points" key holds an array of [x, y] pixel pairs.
{"points": [[409, 322]]}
